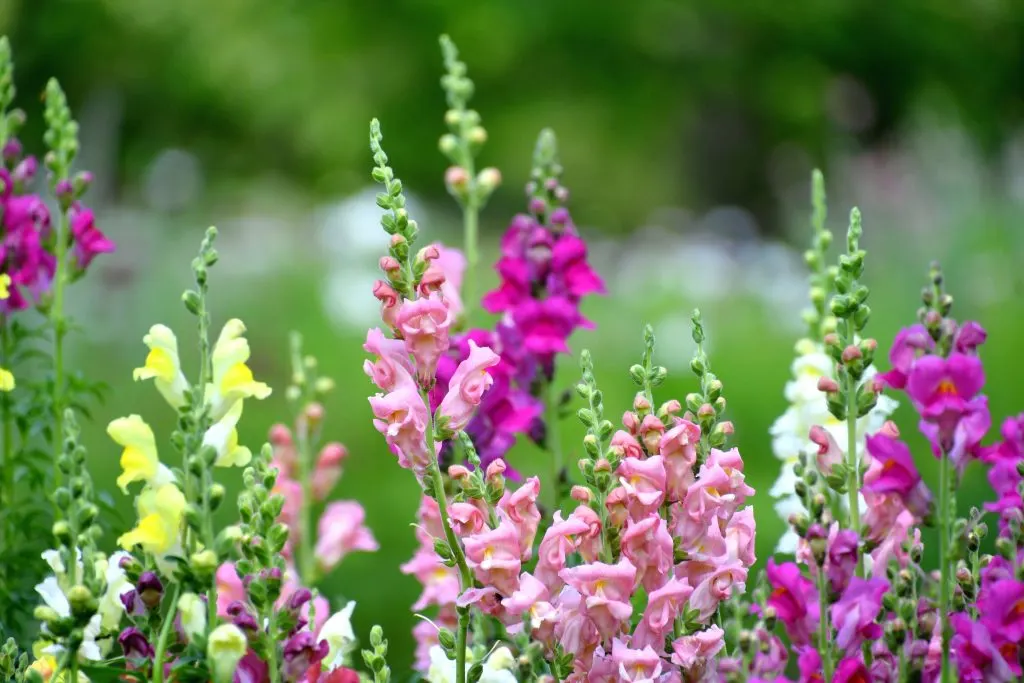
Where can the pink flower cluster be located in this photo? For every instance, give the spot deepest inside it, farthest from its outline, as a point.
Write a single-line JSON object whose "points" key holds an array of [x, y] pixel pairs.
{"points": [[685, 540], [406, 368], [27, 249], [341, 528], [544, 275]]}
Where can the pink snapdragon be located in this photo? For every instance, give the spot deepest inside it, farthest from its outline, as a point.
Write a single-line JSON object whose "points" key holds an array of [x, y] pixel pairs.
{"points": [[402, 417], [392, 367], [520, 507], [606, 589], [88, 241], [424, 324], [644, 484], [635, 665], [794, 599], [691, 652], [855, 616], [678, 448], [648, 546], [466, 388], [663, 606], [892, 472], [493, 555], [341, 531]]}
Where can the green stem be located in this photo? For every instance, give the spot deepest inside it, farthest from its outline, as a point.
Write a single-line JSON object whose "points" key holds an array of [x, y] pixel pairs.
{"points": [[903, 664], [165, 631], [465, 577], [852, 461], [824, 631], [553, 440], [8, 490], [272, 665], [470, 230], [944, 568], [307, 568], [59, 330]]}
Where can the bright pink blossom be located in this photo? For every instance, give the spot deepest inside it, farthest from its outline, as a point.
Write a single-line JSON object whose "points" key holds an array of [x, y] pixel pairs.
{"points": [[627, 445], [328, 469], [532, 599], [636, 666], [606, 589], [851, 670], [560, 540], [794, 599], [717, 587], [892, 471], [402, 418], [466, 387], [520, 507], [678, 447], [447, 269], [648, 546], [390, 303], [1001, 606], [978, 659], [89, 242], [910, 343], [663, 606], [829, 454], [393, 366], [440, 583], [341, 531], [424, 324], [466, 518], [690, 651], [740, 536], [855, 616], [493, 555], [644, 483]]}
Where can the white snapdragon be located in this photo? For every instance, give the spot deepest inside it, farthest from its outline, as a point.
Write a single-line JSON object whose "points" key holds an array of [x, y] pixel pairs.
{"points": [[808, 407]]}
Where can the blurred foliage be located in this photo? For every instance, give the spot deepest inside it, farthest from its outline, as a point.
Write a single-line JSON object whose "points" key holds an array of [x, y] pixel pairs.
{"points": [[691, 97]]}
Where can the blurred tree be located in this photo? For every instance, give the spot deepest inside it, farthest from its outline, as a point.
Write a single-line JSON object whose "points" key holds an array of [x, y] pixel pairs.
{"points": [[656, 101]]}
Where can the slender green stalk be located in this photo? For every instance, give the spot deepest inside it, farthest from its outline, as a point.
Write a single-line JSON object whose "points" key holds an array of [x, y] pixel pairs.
{"points": [[944, 568], [8, 426], [59, 331], [824, 630], [903, 664], [165, 631], [553, 439], [465, 577], [852, 461], [470, 231], [272, 665], [307, 568]]}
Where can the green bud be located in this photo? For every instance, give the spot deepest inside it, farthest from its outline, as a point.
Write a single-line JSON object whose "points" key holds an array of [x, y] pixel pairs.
{"points": [[446, 638], [442, 550], [636, 372], [216, 496], [377, 637], [475, 672], [448, 144], [82, 601], [62, 532]]}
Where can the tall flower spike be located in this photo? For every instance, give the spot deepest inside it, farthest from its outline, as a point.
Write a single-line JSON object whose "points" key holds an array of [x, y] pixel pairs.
{"points": [[461, 145], [403, 275]]}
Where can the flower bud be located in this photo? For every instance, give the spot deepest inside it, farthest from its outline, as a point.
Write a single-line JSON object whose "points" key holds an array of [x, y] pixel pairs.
{"points": [[477, 135], [456, 179], [640, 403], [62, 532], [488, 179], [448, 144], [581, 494], [192, 302], [459, 473], [82, 601]]}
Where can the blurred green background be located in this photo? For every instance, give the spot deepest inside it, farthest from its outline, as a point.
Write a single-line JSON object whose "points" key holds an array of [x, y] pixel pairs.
{"points": [[688, 131]]}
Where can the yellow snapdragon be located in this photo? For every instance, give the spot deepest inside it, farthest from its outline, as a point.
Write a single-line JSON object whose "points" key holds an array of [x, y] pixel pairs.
{"points": [[161, 511], [223, 436], [6, 377], [232, 378], [139, 460], [163, 365]]}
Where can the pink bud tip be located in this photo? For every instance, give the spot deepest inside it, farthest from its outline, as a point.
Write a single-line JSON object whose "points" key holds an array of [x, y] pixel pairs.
{"points": [[890, 430], [430, 253], [725, 427], [827, 385], [314, 412], [640, 403], [869, 344], [397, 239], [819, 437], [602, 465], [851, 353], [280, 435], [631, 422], [671, 407], [581, 494], [496, 469], [932, 318], [456, 177], [389, 264], [831, 339], [332, 454], [458, 472], [706, 410]]}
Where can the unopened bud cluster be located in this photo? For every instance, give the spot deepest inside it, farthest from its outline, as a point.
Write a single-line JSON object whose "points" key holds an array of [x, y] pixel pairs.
{"points": [[706, 406], [465, 135], [401, 273]]}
